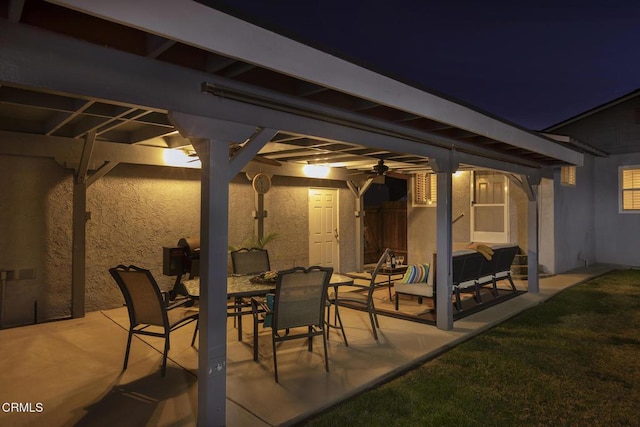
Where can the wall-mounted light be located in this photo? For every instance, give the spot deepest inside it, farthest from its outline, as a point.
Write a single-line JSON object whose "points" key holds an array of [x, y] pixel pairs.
{"points": [[316, 171]]}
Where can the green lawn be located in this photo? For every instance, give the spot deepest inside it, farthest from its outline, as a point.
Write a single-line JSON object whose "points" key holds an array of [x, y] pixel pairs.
{"points": [[574, 360]]}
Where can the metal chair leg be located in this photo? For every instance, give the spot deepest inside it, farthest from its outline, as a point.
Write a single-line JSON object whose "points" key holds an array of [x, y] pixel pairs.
{"points": [[195, 332], [126, 353]]}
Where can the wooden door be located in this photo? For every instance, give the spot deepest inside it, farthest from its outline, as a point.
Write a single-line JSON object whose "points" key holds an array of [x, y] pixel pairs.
{"points": [[385, 227]]}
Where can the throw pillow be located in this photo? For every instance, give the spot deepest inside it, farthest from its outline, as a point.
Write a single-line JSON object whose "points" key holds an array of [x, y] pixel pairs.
{"points": [[416, 274]]}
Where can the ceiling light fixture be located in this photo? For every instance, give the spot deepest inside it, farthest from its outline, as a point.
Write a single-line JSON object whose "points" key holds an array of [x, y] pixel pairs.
{"points": [[316, 171]]}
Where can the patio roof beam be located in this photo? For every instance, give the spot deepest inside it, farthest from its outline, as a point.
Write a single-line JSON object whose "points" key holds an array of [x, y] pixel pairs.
{"points": [[74, 66], [289, 121], [204, 27], [242, 92]]}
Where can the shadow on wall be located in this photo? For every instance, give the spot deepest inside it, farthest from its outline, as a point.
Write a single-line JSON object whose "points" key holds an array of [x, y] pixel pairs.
{"points": [[35, 246]]}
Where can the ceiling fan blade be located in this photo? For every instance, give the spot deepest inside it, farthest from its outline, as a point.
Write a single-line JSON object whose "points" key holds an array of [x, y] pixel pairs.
{"points": [[397, 175]]}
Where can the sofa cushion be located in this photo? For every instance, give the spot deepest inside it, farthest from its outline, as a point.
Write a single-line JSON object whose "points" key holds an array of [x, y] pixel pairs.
{"points": [[418, 289], [418, 273]]}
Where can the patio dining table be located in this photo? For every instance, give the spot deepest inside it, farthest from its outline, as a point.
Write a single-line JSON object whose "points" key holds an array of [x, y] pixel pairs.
{"points": [[241, 286]]}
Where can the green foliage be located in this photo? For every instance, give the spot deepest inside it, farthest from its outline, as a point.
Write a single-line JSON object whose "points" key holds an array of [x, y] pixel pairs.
{"points": [[569, 361], [255, 242]]}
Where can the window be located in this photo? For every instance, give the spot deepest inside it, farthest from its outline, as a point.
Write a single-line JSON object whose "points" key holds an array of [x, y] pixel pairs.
{"points": [[424, 189], [568, 176], [630, 189]]}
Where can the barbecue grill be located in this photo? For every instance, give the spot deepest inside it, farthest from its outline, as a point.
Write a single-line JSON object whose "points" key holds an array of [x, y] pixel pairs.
{"points": [[180, 260]]}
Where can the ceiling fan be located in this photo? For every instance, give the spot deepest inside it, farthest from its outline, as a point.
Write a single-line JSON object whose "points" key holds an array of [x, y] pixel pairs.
{"points": [[380, 169]]}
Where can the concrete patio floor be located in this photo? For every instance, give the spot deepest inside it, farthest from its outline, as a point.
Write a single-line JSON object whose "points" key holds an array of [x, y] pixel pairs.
{"points": [[71, 369]]}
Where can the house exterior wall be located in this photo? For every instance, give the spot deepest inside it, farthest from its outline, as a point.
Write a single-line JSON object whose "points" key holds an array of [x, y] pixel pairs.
{"points": [[135, 211], [615, 130], [591, 226], [421, 221], [287, 206], [33, 189], [616, 234], [573, 215]]}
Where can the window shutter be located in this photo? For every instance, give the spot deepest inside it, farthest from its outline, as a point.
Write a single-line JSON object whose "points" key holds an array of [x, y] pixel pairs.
{"points": [[631, 189], [568, 176], [424, 189]]}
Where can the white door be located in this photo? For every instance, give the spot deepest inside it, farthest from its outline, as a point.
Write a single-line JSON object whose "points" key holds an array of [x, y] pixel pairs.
{"points": [[489, 207], [323, 228]]}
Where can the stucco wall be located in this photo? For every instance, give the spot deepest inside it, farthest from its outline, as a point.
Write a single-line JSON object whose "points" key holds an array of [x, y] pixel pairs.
{"points": [[135, 211], [33, 190], [422, 220], [518, 215], [616, 239], [287, 205]]}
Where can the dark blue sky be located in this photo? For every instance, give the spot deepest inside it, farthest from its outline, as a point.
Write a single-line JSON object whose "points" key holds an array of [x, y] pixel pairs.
{"points": [[532, 65]]}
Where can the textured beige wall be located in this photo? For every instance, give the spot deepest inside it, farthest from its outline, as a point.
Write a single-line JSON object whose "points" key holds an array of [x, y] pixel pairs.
{"points": [[33, 190], [288, 215], [422, 220], [421, 227], [518, 218], [135, 211]]}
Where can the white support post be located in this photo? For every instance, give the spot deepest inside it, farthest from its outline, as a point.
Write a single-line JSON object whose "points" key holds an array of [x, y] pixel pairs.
{"points": [[212, 355], [444, 276], [211, 139], [79, 220], [79, 250], [533, 280], [358, 193]]}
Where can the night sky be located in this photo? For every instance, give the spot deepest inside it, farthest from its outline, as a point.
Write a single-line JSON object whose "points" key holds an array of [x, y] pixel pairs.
{"points": [[531, 65]]}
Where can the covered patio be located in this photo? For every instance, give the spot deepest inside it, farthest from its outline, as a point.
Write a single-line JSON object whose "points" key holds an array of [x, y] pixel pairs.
{"points": [[74, 367], [91, 107]]}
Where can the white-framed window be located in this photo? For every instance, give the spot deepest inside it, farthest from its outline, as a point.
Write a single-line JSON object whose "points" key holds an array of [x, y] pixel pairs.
{"points": [[568, 176], [425, 189], [629, 189]]}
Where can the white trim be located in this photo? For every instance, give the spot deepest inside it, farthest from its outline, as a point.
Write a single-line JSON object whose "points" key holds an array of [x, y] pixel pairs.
{"points": [[621, 190], [486, 236]]}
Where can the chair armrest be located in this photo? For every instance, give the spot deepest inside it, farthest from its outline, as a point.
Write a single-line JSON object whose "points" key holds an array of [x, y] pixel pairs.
{"points": [[261, 311], [259, 305], [178, 303]]}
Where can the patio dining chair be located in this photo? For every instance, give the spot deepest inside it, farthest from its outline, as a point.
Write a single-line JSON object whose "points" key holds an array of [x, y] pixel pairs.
{"points": [[149, 310], [246, 261], [297, 310], [250, 261], [362, 301]]}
